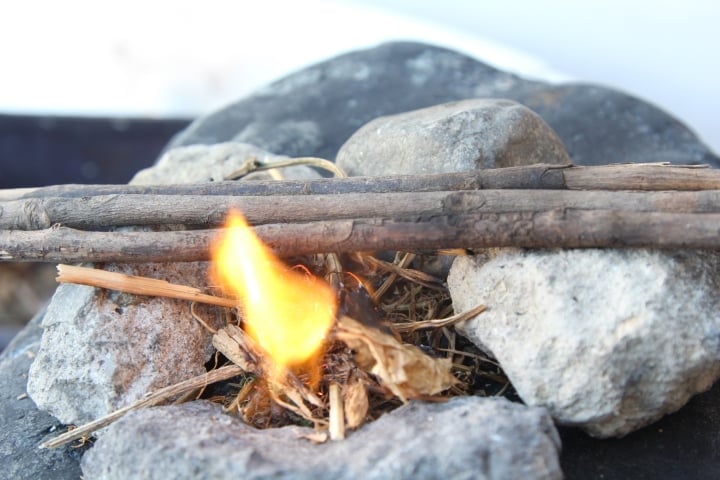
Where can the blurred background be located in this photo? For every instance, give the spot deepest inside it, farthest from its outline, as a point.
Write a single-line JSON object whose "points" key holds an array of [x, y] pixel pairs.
{"points": [[91, 91]]}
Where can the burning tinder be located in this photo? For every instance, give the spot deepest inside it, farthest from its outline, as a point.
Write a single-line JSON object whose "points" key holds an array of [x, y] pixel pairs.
{"points": [[286, 312]]}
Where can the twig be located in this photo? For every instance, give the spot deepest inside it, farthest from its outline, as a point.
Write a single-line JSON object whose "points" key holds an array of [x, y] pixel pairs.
{"points": [[538, 176], [416, 276], [406, 327], [656, 176], [237, 346], [255, 165], [103, 212], [162, 395], [337, 414], [556, 228], [402, 262], [137, 285], [200, 320]]}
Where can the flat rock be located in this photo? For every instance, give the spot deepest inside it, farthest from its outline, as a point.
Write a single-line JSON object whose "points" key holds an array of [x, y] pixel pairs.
{"points": [[314, 111], [608, 340], [483, 438], [452, 137]]}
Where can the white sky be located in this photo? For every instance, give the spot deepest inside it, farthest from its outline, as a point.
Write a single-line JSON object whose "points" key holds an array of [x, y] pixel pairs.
{"points": [[185, 58]]}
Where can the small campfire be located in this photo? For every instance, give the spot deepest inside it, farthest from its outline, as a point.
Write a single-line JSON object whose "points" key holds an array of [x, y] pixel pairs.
{"points": [[308, 356], [335, 340], [328, 341]]}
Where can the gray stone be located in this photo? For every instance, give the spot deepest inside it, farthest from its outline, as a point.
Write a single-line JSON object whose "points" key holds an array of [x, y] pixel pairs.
{"points": [[600, 125], [452, 137], [103, 350], [483, 438], [608, 340], [314, 111], [22, 426]]}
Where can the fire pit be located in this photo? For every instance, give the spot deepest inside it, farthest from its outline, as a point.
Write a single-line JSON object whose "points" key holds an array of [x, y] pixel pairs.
{"points": [[391, 374], [329, 355], [337, 353]]}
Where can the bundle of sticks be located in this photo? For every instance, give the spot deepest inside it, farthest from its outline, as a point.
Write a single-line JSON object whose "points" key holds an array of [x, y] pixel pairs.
{"points": [[630, 205]]}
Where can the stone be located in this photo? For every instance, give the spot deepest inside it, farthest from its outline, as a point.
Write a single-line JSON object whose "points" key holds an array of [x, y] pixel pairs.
{"points": [[600, 125], [22, 426], [608, 340], [452, 137], [103, 350], [314, 111], [471, 437]]}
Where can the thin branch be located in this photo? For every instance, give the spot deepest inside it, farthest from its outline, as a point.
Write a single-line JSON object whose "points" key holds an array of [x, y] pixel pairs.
{"points": [[557, 228], [103, 212], [642, 176], [405, 327], [160, 396], [656, 176], [137, 285], [536, 176]]}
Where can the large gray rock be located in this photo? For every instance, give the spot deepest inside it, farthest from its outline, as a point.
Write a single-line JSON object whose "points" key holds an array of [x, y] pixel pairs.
{"points": [[452, 137], [103, 350], [480, 438], [609, 340], [314, 111]]}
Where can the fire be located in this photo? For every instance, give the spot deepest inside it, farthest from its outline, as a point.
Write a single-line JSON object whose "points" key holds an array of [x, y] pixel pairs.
{"points": [[287, 313]]}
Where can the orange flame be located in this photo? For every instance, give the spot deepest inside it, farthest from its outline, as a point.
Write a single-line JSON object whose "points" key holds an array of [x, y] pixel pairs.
{"points": [[286, 312]]}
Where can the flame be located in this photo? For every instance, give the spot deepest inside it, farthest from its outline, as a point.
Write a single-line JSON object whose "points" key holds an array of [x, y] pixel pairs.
{"points": [[286, 312]]}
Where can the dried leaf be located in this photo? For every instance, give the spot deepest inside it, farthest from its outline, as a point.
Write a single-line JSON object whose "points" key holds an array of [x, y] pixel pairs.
{"points": [[404, 369], [356, 404]]}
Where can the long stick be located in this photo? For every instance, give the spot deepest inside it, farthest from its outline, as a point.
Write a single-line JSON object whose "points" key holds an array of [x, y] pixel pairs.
{"points": [[137, 285], [160, 396], [536, 176], [552, 228], [102, 212], [541, 176]]}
